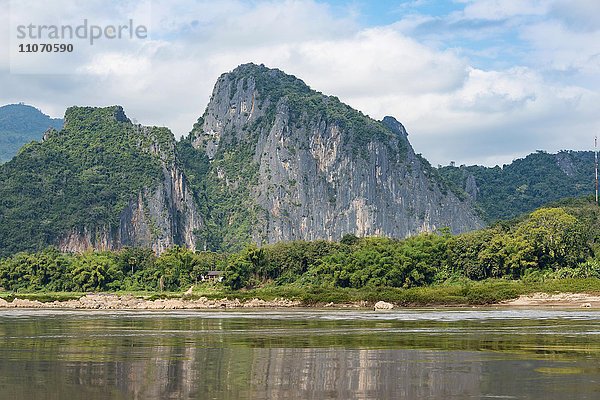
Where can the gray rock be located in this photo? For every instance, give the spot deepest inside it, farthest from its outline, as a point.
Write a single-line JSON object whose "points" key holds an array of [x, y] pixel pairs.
{"points": [[157, 218], [318, 179]]}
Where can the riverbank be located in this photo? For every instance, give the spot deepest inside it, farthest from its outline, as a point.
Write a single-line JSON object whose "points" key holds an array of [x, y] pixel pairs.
{"points": [[556, 300], [108, 301], [560, 292]]}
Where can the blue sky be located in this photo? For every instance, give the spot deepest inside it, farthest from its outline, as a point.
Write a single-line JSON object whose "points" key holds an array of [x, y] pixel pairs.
{"points": [[384, 12], [473, 81]]}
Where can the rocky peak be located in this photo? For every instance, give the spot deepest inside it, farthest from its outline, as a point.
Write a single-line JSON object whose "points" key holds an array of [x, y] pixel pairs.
{"points": [[245, 96], [270, 82], [253, 97], [471, 187], [304, 165], [395, 126], [119, 114], [77, 118]]}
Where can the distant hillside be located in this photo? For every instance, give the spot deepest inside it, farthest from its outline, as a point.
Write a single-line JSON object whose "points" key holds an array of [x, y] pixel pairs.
{"points": [[20, 124], [526, 183]]}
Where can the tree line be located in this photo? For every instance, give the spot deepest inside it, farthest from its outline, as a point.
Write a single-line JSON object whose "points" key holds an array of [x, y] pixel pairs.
{"points": [[555, 242]]}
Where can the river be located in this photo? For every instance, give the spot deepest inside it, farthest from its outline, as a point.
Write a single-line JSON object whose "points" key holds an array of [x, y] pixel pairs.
{"points": [[452, 353]]}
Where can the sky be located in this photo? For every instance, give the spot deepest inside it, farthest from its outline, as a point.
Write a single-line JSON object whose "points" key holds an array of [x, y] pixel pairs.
{"points": [[473, 81]]}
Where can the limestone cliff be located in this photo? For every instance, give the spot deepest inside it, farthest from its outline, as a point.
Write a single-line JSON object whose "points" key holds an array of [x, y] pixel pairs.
{"points": [[159, 216], [286, 162], [102, 183], [156, 218]]}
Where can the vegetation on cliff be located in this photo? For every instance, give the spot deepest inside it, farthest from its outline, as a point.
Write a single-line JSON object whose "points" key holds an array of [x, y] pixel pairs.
{"points": [[307, 105], [525, 184], [82, 176], [551, 243]]}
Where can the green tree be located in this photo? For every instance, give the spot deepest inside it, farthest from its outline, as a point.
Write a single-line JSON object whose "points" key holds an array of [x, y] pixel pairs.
{"points": [[175, 267], [556, 238], [96, 271], [238, 271]]}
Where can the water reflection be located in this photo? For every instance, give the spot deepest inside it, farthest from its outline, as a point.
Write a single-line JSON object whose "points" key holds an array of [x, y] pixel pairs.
{"points": [[199, 356]]}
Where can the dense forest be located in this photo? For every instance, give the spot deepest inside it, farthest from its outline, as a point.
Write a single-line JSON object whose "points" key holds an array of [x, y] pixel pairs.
{"points": [[559, 241], [525, 184], [82, 176]]}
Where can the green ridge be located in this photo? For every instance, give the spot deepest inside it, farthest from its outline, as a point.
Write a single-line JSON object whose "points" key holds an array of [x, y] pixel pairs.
{"points": [[21, 124], [526, 183], [82, 176]]}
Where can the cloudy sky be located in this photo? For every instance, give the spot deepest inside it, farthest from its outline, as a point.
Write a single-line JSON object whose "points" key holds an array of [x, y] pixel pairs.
{"points": [[473, 81]]}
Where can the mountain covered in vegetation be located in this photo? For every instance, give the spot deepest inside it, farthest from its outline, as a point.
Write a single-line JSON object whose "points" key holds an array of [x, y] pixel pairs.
{"points": [[101, 182], [525, 184], [553, 244], [276, 161], [21, 124], [270, 160]]}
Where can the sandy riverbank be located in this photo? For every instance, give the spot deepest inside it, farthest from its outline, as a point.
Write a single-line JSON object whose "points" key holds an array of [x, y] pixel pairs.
{"points": [[108, 301], [103, 301], [556, 300]]}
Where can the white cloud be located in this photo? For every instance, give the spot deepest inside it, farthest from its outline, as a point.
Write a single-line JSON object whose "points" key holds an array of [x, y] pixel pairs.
{"points": [[380, 61], [580, 15], [453, 108], [558, 47], [507, 113]]}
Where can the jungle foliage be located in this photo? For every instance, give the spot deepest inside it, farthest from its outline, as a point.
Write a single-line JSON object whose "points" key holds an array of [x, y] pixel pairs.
{"points": [[83, 176], [21, 124], [525, 184], [553, 242]]}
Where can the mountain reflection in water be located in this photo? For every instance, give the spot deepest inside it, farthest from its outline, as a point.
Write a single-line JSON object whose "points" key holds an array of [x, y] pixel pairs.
{"points": [[305, 355]]}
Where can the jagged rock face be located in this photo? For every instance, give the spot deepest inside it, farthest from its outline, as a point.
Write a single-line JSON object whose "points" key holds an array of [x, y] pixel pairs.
{"points": [[471, 187], [321, 174], [100, 183], [565, 163], [159, 217]]}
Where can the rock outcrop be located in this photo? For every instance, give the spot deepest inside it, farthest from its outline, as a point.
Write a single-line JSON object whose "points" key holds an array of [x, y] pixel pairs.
{"points": [[383, 305], [314, 167], [100, 183], [159, 216], [156, 218]]}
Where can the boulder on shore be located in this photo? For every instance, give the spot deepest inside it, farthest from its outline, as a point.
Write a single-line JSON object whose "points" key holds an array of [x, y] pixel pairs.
{"points": [[383, 305]]}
